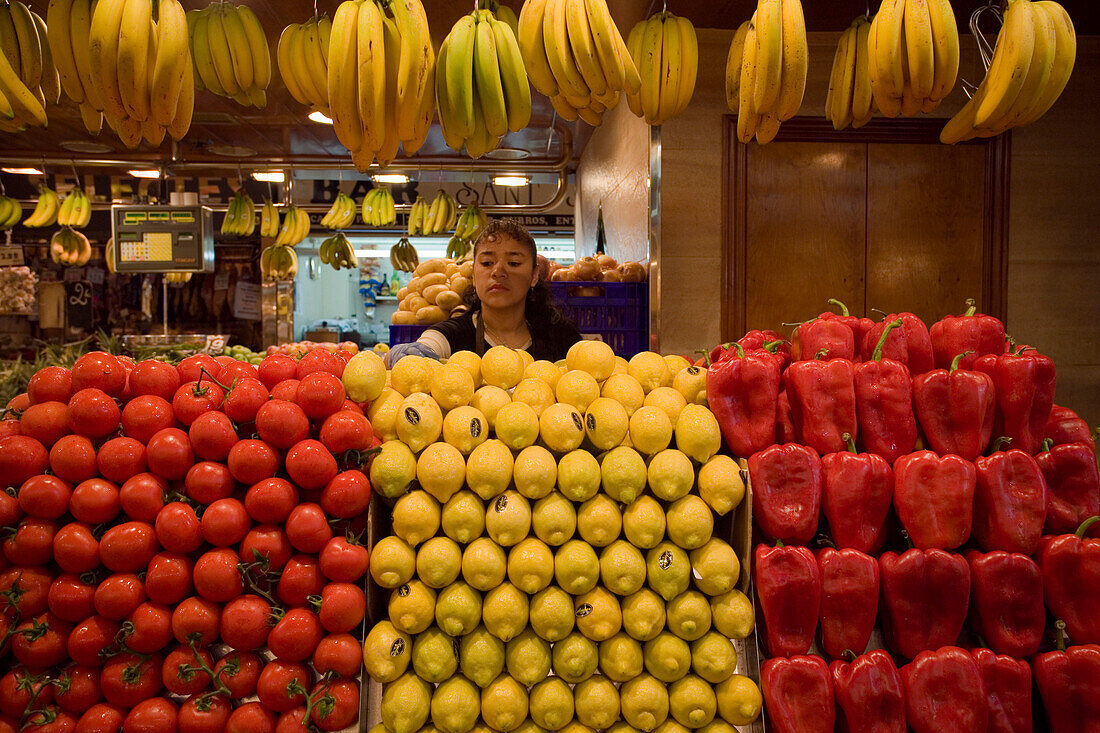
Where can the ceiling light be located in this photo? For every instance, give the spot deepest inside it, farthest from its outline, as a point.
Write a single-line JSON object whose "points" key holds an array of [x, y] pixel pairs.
{"points": [[144, 173], [510, 181], [232, 151], [269, 176], [23, 171], [321, 117], [508, 154], [390, 178], [84, 146]]}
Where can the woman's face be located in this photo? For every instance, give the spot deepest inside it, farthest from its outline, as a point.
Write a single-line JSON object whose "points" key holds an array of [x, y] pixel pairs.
{"points": [[503, 272]]}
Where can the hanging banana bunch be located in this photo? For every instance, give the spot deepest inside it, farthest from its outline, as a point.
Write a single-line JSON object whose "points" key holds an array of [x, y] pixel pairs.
{"points": [[435, 218], [1032, 62], [28, 76], [575, 55], [230, 50], [269, 220], [914, 56], [68, 26], [378, 208], [10, 212], [295, 227], [240, 218], [76, 210], [470, 224], [482, 88], [773, 69], [338, 252], [666, 52], [381, 73], [502, 13], [45, 211], [850, 101], [403, 256], [342, 213], [278, 262], [416, 216], [70, 248], [302, 55]]}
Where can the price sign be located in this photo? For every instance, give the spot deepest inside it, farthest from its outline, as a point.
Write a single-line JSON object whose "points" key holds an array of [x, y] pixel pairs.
{"points": [[246, 301], [221, 280], [11, 256], [78, 305]]}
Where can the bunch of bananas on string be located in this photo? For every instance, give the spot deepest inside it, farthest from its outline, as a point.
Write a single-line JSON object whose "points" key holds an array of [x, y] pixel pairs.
{"points": [[75, 210], [45, 211], [666, 52], [458, 248], [70, 248], [278, 262], [1031, 65], [295, 227], [232, 58], [338, 252], [177, 278], [240, 219], [378, 208], [575, 55], [850, 101], [381, 77], [481, 88], [772, 73], [28, 77], [403, 256], [269, 219], [342, 213], [439, 216], [470, 224], [11, 211], [302, 55], [914, 55]]}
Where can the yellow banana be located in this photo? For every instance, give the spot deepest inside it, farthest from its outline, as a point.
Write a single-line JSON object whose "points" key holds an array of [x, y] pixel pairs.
{"points": [[342, 85], [9, 43], [733, 66], [885, 42], [555, 34], [132, 59], [792, 82], [173, 61], [103, 48], [634, 51], [490, 90], [459, 81], [583, 46], [443, 100], [371, 93], [747, 118], [415, 56], [1011, 60], [220, 54], [533, 47], [425, 112], [1038, 73], [51, 80], [91, 117], [258, 48], [286, 65], [945, 39], [919, 48], [61, 47], [202, 56], [185, 107], [1064, 58], [769, 54], [316, 66], [391, 139], [842, 99], [80, 23], [239, 49], [862, 101], [513, 77], [689, 69], [30, 47], [651, 66], [605, 38], [632, 81], [672, 60]]}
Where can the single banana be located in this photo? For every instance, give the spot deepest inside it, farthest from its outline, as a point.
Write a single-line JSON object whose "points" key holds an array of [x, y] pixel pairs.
{"points": [[747, 118], [862, 100], [342, 82], [792, 82], [132, 58], [371, 90], [555, 33], [842, 99], [733, 66], [672, 60], [1011, 60], [945, 40], [689, 69], [606, 39], [51, 80], [919, 48], [769, 54], [415, 57], [316, 66], [259, 51], [30, 47], [45, 211], [103, 49], [513, 77], [490, 89], [58, 13], [458, 80], [650, 67], [173, 60], [220, 53], [583, 46], [286, 65], [240, 51], [533, 47], [391, 139], [1064, 58], [886, 46], [202, 54], [634, 51], [426, 111], [185, 107]]}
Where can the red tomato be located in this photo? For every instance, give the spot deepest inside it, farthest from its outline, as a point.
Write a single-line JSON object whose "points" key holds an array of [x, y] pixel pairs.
{"points": [[94, 413], [191, 368], [178, 528], [50, 719], [246, 622], [10, 511], [347, 495], [267, 541], [152, 377], [50, 384], [21, 457], [71, 599], [308, 528], [282, 424], [225, 522], [18, 686], [100, 370], [251, 461], [343, 561], [155, 715], [337, 706], [244, 400], [275, 679], [293, 721], [251, 717], [203, 713], [41, 642], [346, 430], [91, 639], [32, 543], [101, 718], [127, 679], [239, 672], [320, 360], [237, 370], [216, 575], [310, 465], [270, 501], [95, 501], [118, 596], [196, 398], [33, 585], [180, 672], [120, 458], [73, 458], [150, 628], [212, 436], [169, 454], [355, 407], [142, 496], [46, 422], [75, 548], [285, 390], [339, 653], [206, 482], [10, 426], [301, 578], [277, 368], [320, 394], [78, 688], [168, 580], [45, 497], [145, 416], [343, 606], [296, 635], [196, 618], [128, 547], [19, 403]]}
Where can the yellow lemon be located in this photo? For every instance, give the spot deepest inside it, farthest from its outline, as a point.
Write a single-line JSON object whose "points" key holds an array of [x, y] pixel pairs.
{"points": [[620, 657], [691, 382], [667, 657], [676, 363], [643, 615], [415, 517], [481, 656], [650, 369], [578, 475], [713, 657], [465, 428], [504, 611], [599, 521], [716, 566], [621, 366], [484, 564], [452, 386], [576, 567], [489, 400], [644, 702], [455, 705], [623, 474], [551, 613], [733, 614], [597, 702], [405, 704], [411, 374], [578, 389], [670, 475], [605, 423], [671, 726], [517, 425], [551, 703], [419, 421], [489, 469], [574, 658], [697, 433], [386, 652], [458, 609], [441, 471], [688, 615], [508, 519], [463, 517], [668, 570], [469, 361], [544, 371], [393, 469], [411, 607], [622, 568], [721, 485], [598, 614], [434, 657], [535, 472], [561, 428], [530, 565], [669, 400], [382, 414], [393, 562], [502, 367], [504, 703], [739, 700], [644, 522], [689, 522], [528, 360], [594, 357], [364, 377], [438, 562], [692, 702], [554, 519], [624, 389], [534, 392], [527, 658], [650, 430]]}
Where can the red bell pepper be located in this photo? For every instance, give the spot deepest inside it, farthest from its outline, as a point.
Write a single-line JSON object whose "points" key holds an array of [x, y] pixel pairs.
{"points": [[857, 491], [788, 588], [784, 429], [884, 404], [934, 498], [742, 390], [944, 693], [1068, 681], [786, 492], [1010, 502], [1006, 601], [1070, 564], [910, 344], [1066, 426], [1024, 384], [956, 410], [823, 339], [798, 693], [1007, 683], [753, 341], [869, 694], [973, 333], [849, 600], [756, 340], [859, 326], [1073, 485], [924, 599], [822, 395]]}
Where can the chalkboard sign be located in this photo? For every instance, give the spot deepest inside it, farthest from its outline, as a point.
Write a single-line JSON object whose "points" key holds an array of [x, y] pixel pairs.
{"points": [[78, 305]]}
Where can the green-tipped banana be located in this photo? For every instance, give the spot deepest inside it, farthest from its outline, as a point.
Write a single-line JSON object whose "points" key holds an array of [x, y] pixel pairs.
{"points": [[45, 211]]}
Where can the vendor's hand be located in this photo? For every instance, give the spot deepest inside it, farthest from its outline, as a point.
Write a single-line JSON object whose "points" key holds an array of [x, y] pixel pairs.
{"points": [[401, 350]]}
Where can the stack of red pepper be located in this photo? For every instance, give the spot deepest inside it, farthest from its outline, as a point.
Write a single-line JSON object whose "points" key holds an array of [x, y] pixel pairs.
{"points": [[950, 434]]}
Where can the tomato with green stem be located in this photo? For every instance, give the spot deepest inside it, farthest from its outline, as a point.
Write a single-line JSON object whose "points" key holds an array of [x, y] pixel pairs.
{"points": [[194, 399], [91, 640], [282, 686], [77, 688], [245, 400], [296, 635], [334, 705], [19, 686], [180, 672], [239, 673], [204, 712], [50, 719], [148, 629], [196, 619], [269, 542], [24, 591], [42, 641], [129, 678]]}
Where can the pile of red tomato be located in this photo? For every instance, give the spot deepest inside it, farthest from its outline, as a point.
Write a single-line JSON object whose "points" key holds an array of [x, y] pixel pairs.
{"points": [[180, 547]]}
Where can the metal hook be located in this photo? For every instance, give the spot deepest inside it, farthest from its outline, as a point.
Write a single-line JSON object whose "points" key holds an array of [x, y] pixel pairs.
{"points": [[315, 13], [76, 176], [240, 176], [985, 48], [869, 16]]}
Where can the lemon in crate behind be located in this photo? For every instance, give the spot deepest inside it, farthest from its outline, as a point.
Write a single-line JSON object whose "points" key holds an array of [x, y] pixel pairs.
{"points": [[618, 313]]}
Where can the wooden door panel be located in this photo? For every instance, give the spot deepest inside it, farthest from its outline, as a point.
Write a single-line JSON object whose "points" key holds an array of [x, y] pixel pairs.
{"points": [[925, 228], [805, 229]]}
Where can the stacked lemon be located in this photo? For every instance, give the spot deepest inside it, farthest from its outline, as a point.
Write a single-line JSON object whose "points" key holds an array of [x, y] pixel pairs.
{"points": [[554, 563]]}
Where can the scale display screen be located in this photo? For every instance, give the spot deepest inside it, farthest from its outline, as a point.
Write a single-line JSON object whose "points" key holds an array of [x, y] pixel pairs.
{"points": [[163, 238]]}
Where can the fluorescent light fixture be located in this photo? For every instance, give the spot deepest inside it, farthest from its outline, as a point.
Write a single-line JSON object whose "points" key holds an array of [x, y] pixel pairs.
{"points": [[269, 176], [23, 171], [399, 178], [321, 117], [513, 181], [144, 173]]}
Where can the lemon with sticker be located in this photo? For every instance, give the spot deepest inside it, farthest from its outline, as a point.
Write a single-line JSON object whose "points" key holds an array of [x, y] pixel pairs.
{"points": [[691, 382], [465, 428], [419, 421], [508, 519], [668, 570], [411, 607], [386, 652], [598, 614], [605, 423], [561, 428]]}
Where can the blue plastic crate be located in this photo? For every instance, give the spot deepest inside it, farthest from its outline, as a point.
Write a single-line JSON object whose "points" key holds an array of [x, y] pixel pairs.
{"points": [[405, 334]]}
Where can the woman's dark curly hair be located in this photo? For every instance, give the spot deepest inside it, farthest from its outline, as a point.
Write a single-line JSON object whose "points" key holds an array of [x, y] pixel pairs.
{"points": [[539, 309]]}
